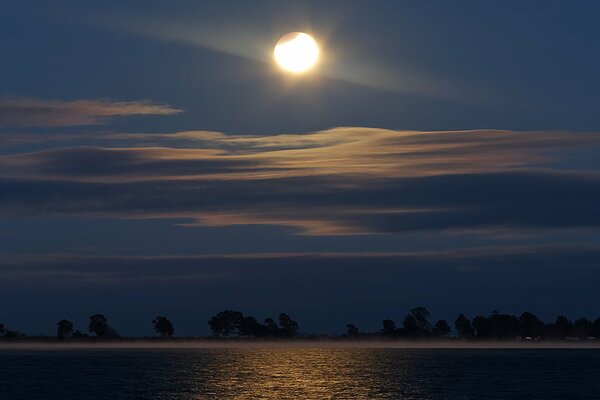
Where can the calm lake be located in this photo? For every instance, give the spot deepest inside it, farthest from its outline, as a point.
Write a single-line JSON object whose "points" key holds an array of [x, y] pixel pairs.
{"points": [[299, 373]]}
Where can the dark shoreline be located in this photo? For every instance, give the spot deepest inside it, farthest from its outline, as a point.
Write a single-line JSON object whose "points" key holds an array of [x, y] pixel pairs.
{"points": [[208, 342]]}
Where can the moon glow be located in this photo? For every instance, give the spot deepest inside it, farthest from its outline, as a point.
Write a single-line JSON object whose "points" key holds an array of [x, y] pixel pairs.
{"points": [[296, 52]]}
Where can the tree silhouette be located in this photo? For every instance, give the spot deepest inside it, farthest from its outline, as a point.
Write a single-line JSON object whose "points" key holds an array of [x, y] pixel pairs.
{"points": [[410, 326], [582, 328], [226, 323], [504, 326], [351, 330], [163, 327], [421, 315], [99, 325], [416, 323], [289, 327], [482, 327], [531, 326], [231, 322], [463, 326], [249, 326], [441, 328], [64, 329], [2, 330], [271, 328], [562, 327], [389, 327]]}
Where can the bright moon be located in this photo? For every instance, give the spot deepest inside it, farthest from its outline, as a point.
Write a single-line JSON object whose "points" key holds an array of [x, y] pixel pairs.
{"points": [[296, 52]]}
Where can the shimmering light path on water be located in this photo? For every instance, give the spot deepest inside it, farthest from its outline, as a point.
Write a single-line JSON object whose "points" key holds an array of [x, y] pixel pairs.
{"points": [[299, 374]]}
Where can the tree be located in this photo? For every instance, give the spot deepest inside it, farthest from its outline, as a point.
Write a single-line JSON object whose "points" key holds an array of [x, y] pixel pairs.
{"points": [[288, 327], [226, 323], [482, 327], [99, 326], [441, 328], [421, 315], [271, 328], [351, 330], [163, 327], [531, 326], [463, 326], [2, 330], [582, 328], [389, 327], [64, 329], [503, 326], [249, 326], [416, 323], [562, 327], [410, 326]]}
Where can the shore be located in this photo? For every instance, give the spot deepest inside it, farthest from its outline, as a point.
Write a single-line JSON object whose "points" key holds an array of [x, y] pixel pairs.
{"points": [[210, 343]]}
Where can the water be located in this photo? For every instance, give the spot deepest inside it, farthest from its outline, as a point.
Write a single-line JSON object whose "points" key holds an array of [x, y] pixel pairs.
{"points": [[299, 374]]}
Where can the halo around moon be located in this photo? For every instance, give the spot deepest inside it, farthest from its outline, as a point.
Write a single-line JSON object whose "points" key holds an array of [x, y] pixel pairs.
{"points": [[296, 52]]}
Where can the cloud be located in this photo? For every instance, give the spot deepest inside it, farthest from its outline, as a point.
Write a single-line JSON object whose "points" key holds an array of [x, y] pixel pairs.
{"points": [[123, 269], [317, 206], [336, 182], [55, 113], [345, 153]]}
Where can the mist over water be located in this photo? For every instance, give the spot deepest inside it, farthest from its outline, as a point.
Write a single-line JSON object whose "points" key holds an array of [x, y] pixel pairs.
{"points": [[299, 373], [199, 344]]}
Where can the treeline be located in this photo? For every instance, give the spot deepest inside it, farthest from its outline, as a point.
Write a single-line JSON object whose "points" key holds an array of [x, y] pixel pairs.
{"points": [[234, 323], [224, 324], [415, 325], [496, 326], [98, 327]]}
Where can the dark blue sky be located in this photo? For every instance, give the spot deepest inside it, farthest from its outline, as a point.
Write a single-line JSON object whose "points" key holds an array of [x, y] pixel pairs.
{"points": [[440, 154]]}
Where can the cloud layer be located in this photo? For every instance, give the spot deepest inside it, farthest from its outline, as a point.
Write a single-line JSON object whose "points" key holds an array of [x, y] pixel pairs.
{"points": [[342, 154], [126, 269], [335, 182]]}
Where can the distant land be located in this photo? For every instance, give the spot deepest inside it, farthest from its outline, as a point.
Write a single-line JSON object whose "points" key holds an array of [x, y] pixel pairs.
{"points": [[233, 329]]}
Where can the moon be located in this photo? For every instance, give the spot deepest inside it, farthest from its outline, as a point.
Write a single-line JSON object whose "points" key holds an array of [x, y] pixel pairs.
{"points": [[296, 52]]}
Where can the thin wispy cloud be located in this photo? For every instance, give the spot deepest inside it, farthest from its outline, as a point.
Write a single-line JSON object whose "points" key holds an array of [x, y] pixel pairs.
{"points": [[118, 269], [346, 153], [25, 112]]}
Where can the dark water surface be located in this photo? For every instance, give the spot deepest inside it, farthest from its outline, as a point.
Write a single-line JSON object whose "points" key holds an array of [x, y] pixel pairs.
{"points": [[299, 374]]}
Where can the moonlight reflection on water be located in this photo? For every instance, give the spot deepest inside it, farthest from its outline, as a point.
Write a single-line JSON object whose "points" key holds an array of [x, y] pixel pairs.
{"points": [[305, 373]]}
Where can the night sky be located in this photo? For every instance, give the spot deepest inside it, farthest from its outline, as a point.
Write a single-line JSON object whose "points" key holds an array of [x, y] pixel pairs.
{"points": [[154, 160]]}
